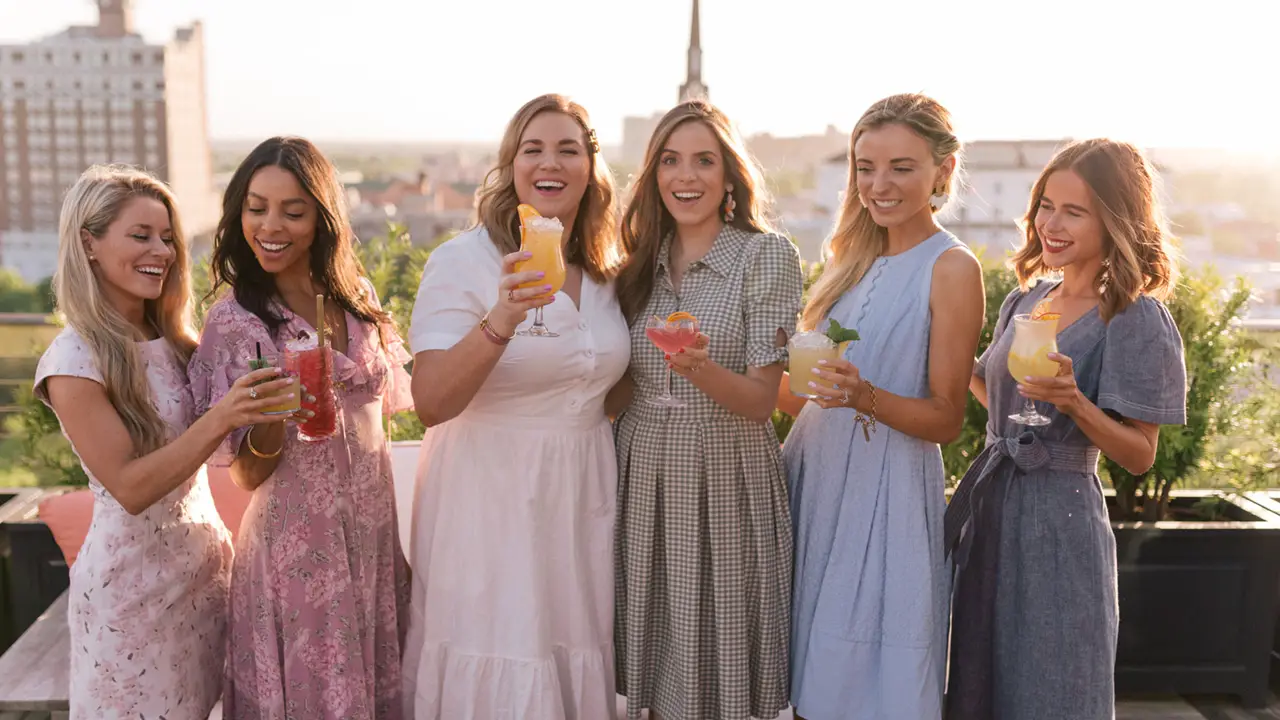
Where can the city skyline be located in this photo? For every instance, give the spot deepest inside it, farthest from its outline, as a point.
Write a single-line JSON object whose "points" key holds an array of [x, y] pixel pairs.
{"points": [[418, 79]]}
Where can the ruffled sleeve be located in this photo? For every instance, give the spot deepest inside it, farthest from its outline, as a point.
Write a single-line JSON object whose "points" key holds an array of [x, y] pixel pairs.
{"points": [[1144, 375], [398, 395], [1002, 322], [230, 338], [450, 303], [773, 287], [67, 355]]}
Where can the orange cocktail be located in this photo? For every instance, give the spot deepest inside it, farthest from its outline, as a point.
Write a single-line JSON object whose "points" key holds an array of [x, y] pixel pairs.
{"points": [[542, 237]]}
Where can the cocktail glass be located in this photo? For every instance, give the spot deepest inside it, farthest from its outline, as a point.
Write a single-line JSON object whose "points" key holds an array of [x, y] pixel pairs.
{"points": [[543, 238], [313, 366], [1033, 340], [670, 336], [804, 350]]}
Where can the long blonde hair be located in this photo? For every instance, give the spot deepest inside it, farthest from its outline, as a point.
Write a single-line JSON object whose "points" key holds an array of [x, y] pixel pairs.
{"points": [[593, 244], [1137, 259], [858, 240], [646, 221], [92, 204]]}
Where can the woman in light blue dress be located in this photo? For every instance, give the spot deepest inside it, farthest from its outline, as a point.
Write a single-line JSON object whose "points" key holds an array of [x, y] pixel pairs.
{"points": [[872, 585]]}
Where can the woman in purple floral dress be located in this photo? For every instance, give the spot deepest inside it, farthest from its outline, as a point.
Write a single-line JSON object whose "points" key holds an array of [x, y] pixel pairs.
{"points": [[319, 588]]}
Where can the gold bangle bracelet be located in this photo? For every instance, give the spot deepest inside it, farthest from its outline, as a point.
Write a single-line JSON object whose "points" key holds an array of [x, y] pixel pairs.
{"points": [[248, 439]]}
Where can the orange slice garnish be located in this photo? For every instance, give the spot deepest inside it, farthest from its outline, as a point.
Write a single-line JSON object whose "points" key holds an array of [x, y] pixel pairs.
{"points": [[1040, 309], [1048, 316], [678, 316], [526, 212]]}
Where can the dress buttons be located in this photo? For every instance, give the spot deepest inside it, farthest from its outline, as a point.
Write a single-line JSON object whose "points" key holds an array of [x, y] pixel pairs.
{"points": [[591, 353], [582, 324]]}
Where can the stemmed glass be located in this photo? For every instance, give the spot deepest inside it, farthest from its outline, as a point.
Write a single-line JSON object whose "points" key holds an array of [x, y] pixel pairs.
{"points": [[670, 336], [541, 237], [1033, 340]]}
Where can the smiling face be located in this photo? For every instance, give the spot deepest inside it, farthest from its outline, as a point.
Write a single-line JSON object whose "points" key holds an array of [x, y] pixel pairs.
{"points": [[133, 257], [1067, 222], [691, 175], [896, 174], [551, 168], [278, 219]]}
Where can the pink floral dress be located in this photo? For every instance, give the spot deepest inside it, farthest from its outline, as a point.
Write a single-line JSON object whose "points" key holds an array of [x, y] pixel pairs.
{"points": [[148, 596], [319, 590]]}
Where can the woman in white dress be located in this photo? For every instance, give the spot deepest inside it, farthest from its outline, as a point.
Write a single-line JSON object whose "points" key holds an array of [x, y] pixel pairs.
{"points": [[149, 588], [512, 541]]}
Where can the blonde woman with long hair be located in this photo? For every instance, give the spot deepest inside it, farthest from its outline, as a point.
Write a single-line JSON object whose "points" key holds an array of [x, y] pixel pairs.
{"points": [[704, 540], [512, 543], [869, 628], [149, 589], [1036, 611]]}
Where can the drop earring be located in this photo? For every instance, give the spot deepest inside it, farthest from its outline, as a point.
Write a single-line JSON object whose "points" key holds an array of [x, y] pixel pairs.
{"points": [[938, 199], [729, 204]]}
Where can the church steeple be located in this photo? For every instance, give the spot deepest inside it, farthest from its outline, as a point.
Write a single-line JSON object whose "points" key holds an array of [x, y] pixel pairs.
{"points": [[693, 87]]}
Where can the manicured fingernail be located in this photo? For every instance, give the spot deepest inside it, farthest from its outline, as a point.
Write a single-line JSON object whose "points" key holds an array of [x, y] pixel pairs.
{"points": [[1027, 378], [822, 362], [665, 356], [546, 288], [526, 255], [813, 384], [815, 370], [541, 274], [681, 351]]}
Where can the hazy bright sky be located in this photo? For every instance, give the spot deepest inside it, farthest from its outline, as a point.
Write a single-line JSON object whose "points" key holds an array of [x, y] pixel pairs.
{"points": [[1140, 70]]}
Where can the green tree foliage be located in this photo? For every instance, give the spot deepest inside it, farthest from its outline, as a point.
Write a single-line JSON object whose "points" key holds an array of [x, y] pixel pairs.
{"points": [[19, 296]]}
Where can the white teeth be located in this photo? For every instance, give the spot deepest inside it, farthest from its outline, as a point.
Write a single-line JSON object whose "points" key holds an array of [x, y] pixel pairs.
{"points": [[548, 185], [151, 271], [688, 195], [887, 203], [273, 247], [1055, 244]]}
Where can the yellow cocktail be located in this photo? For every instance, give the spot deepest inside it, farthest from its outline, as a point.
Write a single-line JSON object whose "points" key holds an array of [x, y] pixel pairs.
{"points": [[543, 237], [804, 350], [287, 405], [1033, 340]]}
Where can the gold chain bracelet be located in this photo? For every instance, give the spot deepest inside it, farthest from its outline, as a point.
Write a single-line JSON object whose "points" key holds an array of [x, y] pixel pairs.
{"points": [[868, 424]]}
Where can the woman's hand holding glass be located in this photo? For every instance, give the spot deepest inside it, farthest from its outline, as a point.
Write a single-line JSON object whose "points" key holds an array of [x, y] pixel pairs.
{"points": [[515, 302]]}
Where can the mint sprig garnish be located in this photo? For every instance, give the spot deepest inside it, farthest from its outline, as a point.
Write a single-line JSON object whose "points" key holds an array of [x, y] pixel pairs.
{"points": [[840, 334]]}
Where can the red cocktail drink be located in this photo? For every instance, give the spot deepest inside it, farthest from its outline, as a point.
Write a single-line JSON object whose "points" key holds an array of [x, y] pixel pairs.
{"points": [[313, 365]]}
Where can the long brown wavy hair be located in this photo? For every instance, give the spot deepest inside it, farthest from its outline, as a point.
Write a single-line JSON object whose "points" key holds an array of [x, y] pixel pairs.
{"points": [[91, 205], [1136, 246], [646, 221], [858, 240], [593, 243], [333, 258]]}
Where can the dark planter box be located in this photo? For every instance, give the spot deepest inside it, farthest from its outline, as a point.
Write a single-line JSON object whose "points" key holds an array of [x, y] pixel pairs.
{"points": [[1269, 500], [1198, 601], [15, 503], [37, 572]]}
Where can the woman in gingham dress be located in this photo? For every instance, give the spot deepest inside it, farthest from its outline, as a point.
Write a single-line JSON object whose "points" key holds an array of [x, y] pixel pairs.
{"points": [[704, 535]]}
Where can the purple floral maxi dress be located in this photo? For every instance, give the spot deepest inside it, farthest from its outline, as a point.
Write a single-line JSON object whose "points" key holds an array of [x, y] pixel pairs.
{"points": [[319, 588]]}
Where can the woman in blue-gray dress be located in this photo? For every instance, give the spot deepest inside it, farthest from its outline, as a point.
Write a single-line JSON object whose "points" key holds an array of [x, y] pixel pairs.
{"points": [[1035, 609], [871, 591]]}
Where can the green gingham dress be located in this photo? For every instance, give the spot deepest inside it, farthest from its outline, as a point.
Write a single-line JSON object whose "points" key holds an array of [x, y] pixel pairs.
{"points": [[704, 544]]}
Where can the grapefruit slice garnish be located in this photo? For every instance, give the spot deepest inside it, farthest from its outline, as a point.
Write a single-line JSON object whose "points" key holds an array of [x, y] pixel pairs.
{"points": [[1040, 309], [678, 316], [1048, 316]]}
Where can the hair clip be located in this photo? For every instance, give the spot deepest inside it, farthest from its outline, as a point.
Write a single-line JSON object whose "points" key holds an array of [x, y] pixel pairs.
{"points": [[591, 140]]}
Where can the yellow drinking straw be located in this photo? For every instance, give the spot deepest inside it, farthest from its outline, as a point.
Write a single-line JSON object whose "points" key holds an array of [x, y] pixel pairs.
{"points": [[320, 320]]}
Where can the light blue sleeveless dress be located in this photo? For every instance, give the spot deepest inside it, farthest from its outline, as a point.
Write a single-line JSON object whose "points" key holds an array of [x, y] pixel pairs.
{"points": [[872, 585]]}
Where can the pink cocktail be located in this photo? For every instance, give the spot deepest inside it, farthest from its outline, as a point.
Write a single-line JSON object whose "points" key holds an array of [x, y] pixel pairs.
{"points": [[671, 336], [313, 365], [672, 340]]}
